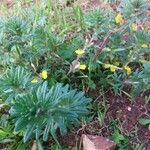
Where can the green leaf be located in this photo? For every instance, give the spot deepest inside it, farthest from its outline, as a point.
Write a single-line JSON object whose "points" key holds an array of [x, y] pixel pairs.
{"points": [[47, 129], [74, 148], [147, 65], [15, 82], [29, 131], [21, 146], [39, 145], [43, 110], [144, 121], [21, 123], [3, 133]]}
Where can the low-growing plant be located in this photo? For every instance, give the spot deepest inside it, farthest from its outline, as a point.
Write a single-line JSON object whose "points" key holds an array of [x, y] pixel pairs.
{"points": [[7, 136], [145, 121], [121, 140], [43, 111], [141, 80], [15, 82]]}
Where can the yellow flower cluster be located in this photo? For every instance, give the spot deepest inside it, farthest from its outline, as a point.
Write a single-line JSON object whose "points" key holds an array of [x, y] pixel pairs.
{"points": [[143, 61], [112, 68], [128, 70], [34, 81], [82, 67], [144, 46], [43, 74], [134, 27], [80, 52], [118, 19]]}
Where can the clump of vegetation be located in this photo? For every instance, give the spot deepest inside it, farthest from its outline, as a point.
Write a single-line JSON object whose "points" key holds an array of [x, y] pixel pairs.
{"points": [[48, 109]]}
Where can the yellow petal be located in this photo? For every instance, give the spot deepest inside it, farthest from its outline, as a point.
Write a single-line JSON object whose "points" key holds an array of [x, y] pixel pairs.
{"points": [[106, 66], [128, 70], [113, 68], [134, 27], [118, 19], [44, 74], [80, 52], [143, 61], [144, 46], [82, 67], [34, 81]]}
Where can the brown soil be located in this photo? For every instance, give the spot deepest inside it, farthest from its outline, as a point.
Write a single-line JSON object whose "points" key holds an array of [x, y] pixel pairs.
{"points": [[124, 111], [6, 2], [90, 5]]}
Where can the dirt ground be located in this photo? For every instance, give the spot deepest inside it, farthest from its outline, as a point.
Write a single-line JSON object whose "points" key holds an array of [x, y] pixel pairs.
{"points": [[123, 111]]}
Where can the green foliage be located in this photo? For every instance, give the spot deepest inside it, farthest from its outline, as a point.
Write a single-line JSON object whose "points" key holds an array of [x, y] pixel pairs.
{"points": [[134, 7], [56, 147], [14, 83], [102, 114], [44, 110], [147, 99], [144, 121], [139, 147], [5, 132], [141, 80], [14, 38], [33, 39], [79, 16], [121, 141], [66, 49], [7, 136], [94, 18]]}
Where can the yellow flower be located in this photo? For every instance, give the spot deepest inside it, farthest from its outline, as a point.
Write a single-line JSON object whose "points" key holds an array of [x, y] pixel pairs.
{"points": [[144, 46], [112, 67], [134, 27], [106, 66], [143, 61], [82, 67], [128, 70], [34, 81], [44, 74], [80, 52], [118, 19]]}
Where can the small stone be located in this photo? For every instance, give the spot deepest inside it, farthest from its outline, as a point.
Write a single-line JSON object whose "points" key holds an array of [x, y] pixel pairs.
{"points": [[91, 142], [129, 108]]}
